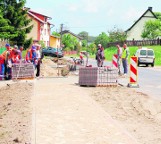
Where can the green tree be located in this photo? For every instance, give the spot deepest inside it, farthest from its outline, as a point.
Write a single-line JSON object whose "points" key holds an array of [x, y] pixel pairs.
{"points": [[152, 29], [14, 11], [42, 44], [5, 28], [158, 15], [92, 48], [91, 39], [79, 47], [84, 35], [117, 35], [84, 43], [55, 34], [69, 41], [102, 39]]}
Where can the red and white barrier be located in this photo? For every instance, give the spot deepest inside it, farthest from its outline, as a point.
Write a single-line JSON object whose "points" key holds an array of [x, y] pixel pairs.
{"points": [[133, 72], [114, 61]]}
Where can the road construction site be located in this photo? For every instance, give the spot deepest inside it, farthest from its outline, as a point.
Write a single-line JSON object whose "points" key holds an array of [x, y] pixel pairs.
{"points": [[54, 109]]}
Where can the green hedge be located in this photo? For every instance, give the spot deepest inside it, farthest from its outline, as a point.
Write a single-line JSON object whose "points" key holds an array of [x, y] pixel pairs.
{"points": [[2, 49]]}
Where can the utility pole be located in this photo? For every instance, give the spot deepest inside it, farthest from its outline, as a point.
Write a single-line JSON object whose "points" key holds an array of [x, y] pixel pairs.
{"points": [[61, 30]]}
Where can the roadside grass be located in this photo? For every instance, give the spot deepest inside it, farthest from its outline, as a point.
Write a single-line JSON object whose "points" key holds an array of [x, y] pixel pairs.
{"points": [[24, 53], [109, 52]]}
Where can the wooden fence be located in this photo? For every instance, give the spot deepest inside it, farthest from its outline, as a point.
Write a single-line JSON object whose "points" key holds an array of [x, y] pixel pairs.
{"points": [[136, 43]]}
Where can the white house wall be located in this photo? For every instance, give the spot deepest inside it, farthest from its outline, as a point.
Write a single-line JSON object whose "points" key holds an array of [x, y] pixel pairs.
{"points": [[136, 31], [45, 34]]}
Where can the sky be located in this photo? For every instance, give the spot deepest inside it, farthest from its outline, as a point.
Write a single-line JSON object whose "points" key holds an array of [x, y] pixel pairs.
{"points": [[93, 16]]}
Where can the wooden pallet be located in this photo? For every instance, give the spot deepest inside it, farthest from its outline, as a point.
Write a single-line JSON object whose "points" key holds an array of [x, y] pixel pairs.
{"points": [[102, 85], [29, 78]]}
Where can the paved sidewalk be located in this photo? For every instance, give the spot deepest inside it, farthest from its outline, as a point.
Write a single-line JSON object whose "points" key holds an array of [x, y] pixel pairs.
{"points": [[63, 113]]}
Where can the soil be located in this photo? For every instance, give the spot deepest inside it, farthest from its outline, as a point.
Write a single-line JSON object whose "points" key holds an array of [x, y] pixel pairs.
{"points": [[52, 67], [15, 113], [137, 112]]}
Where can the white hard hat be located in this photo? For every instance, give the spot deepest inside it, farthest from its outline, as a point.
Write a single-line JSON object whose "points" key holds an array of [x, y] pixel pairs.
{"points": [[99, 45], [15, 46]]}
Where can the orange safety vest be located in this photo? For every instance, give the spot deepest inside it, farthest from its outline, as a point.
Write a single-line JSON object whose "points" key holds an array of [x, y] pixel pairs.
{"points": [[29, 55], [4, 54], [14, 56], [2, 59]]}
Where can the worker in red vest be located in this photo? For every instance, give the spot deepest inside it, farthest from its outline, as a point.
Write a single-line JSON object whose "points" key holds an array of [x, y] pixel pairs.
{"points": [[7, 62], [2, 67], [15, 54], [31, 55]]}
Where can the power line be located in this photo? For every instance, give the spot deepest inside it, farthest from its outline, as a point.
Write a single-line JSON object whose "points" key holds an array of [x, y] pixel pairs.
{"points": [[90, 27]]}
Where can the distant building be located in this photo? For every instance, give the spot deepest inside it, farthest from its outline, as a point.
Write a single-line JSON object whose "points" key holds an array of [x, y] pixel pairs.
{"points": [[135, 31], [54, 41], [41, 27]]}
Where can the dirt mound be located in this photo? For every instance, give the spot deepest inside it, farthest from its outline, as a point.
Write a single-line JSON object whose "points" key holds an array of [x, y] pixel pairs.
{"points": [[140, 114], [15, 113], [48, 68], [53, 67]]}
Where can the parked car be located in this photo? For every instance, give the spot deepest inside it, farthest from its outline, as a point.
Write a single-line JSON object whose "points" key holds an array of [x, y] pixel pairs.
{"points": [[54, 52], [145, 56]]}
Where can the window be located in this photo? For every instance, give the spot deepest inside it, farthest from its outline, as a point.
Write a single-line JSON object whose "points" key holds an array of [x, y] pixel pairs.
{"points": [[44, 31], [49, 31], [143, 52], [150, 53]]}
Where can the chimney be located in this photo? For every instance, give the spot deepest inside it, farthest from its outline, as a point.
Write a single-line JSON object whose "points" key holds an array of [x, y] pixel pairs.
{"points": [[150, 8]]}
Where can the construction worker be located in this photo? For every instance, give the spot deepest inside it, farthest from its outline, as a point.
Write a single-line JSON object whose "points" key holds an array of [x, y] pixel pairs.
{"points": [[119, 53], [100, 56], [16, 54], [2, 67], [7, 62], [31, 55], [39, 58], [81, 58], [125, 54]]}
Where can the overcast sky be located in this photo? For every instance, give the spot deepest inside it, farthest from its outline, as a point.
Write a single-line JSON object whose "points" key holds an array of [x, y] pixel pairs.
{"points": [[93, 16]]}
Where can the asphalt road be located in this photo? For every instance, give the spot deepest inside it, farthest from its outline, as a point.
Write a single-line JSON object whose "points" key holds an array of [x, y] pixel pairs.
{"points": [[149, 79]]}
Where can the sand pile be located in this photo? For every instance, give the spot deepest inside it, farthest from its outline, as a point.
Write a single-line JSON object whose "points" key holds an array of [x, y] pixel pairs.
{"points": [[50, 68]]}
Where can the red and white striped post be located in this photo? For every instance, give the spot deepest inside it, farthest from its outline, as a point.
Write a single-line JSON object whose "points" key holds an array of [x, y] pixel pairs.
{"points": [[114, 61], [133, 72]]}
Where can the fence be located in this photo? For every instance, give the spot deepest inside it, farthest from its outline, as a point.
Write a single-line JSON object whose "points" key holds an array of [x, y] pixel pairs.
{"points": [[70, 52], [136, 42]]}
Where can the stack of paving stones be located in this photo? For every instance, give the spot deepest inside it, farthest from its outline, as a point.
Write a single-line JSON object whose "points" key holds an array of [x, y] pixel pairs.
{"points": [[98, 76], [22, 71], [1, 77]]}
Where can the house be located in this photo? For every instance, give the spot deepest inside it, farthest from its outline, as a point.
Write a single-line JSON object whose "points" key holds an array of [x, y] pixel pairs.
{"points": [[71, 33], [135, 31], [54, 41], [41, 27]]}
